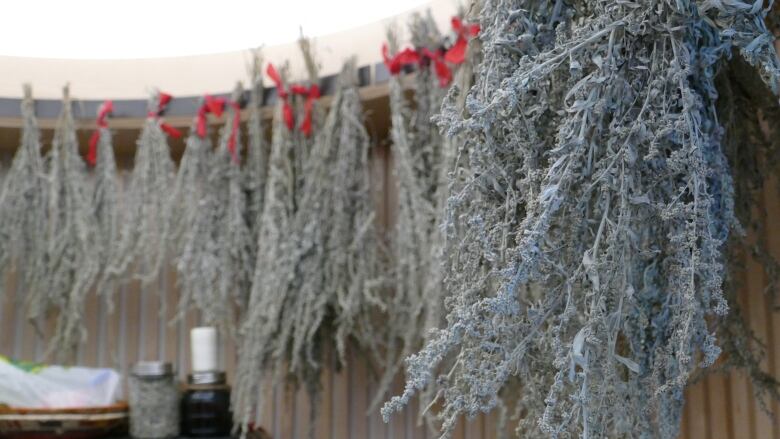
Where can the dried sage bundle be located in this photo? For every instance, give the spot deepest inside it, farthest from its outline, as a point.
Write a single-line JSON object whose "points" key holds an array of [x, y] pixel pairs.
{"points": [[23, 206], [72, 251], [143, 241], [593, 220]]}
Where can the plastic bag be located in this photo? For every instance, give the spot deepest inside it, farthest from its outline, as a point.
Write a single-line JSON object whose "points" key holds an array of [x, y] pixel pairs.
{"points": [[31, 385]]}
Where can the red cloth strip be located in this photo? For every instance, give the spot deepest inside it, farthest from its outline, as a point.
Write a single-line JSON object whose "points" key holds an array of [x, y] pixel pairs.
{"points": [[234, 130], [312, 93], [443, 72], [403, 58], [211, 105], [101, 121], [163, 100], [457, 53], [287, 111]]}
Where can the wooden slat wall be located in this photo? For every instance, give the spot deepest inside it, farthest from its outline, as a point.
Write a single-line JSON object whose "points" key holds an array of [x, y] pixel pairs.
{"points": [[140, 328]]}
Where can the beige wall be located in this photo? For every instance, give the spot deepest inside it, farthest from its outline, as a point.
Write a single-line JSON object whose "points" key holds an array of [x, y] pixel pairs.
{"points": [[195, 75]]}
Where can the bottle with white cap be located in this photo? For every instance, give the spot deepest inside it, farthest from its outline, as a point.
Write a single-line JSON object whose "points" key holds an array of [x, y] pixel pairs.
{"points": [[206, 401]]}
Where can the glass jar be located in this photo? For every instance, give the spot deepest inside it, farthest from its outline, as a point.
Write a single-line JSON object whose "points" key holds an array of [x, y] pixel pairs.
{"points": [[154, 401], [205, 407]]}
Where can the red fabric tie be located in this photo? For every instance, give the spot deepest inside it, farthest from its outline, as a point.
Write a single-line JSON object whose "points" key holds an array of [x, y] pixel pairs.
{"points": [[102, 115], [312, 93], [287, 112], [443, 72], [234, 130], [457, 53], [211, 105], [403, 58], [163, 100]]}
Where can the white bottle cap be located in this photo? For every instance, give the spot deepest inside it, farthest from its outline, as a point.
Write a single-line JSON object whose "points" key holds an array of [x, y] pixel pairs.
{"points": [[203, 344]]}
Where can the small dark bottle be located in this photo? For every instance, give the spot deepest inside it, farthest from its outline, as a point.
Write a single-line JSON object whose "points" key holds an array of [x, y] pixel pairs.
{"points": [[205, 407]]}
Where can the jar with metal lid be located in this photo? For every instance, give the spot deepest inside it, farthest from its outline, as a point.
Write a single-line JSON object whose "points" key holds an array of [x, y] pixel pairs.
{"points": [[205, 407], [154, 401]]}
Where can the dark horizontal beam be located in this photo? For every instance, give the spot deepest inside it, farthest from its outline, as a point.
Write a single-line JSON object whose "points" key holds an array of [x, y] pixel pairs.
{"points": [[179, 106]]}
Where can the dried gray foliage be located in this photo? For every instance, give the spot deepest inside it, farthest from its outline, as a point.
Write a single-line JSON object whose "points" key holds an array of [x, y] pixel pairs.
{"points": [[257, 344], [421, 160], [23, 205], [143, 241], [210, 236], [592, 225], [106, 205], [235, 250], [191, 233], [323, 288], [256, 167], [71, 259]]}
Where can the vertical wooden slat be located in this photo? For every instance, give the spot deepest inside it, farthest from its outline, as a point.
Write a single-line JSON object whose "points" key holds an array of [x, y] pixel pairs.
{"points": [[719, 414], [325, 407], [358, 398], [756, 318], [340, 402], [133, 328], [89, 347], [740, 388], [303, 413], [8, 316], [287, 415], [696, 405]]}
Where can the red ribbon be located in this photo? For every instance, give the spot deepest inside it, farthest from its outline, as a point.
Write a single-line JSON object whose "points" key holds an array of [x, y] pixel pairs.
{"points": [[457, 53], [211, 105], [234, 129], [401, 59], [443, 72], [163, 100], [312, 93], [101, 121], [287, 111]]}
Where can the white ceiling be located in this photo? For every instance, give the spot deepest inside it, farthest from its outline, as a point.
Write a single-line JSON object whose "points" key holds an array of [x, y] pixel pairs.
{"points": [[111, 29]]}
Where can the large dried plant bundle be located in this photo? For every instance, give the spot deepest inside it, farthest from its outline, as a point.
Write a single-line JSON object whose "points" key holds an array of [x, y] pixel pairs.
{"points": [[192, 224], [72, 252], [23, 205], [235, 250], [593, 221], [418, 152], [256, 166], [257, 343], [325, 290], [143, 241], [106, 204]]}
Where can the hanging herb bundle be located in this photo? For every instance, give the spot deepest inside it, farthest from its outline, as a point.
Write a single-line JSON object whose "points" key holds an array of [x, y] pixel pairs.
{"points": [[143, 239], [593, 222], [106, 194], [23, 205], [417, 154], [233, 237], [256, 167], [258, 343], [72, 253], [326, 286], [193, 220]]}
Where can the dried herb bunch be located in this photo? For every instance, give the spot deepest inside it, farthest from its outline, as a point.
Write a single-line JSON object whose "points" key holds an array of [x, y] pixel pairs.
{"points": [[72, 253], [593, 222], [323, 290], [191, 232], [256, 166], [106, 205], [143, 241], [258, 352], [418, 160], [233, 238], [23, 206]]}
